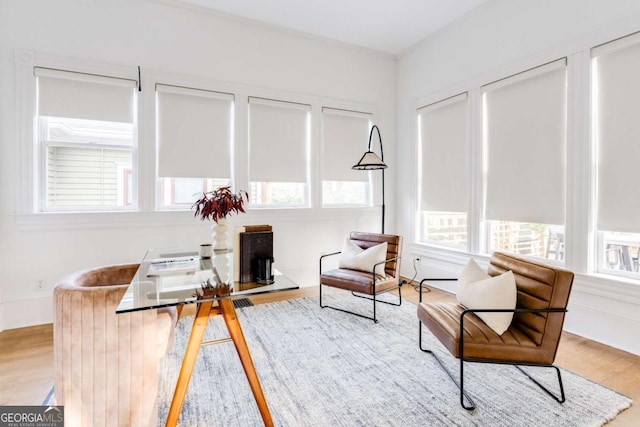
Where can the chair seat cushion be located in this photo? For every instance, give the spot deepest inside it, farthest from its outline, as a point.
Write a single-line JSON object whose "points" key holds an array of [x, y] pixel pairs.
{"points": [[480, 341], [357, 281]]}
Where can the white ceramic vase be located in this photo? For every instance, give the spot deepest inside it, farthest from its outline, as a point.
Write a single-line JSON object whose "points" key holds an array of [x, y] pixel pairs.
{"points": [[220, 231]]}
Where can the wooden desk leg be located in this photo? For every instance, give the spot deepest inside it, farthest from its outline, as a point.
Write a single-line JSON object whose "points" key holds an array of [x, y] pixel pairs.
{"points": [[189, 361], [233, 325]]}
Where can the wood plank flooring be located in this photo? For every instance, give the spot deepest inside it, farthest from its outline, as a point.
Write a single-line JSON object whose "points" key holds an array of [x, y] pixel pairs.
{"points": [[26, 359]]}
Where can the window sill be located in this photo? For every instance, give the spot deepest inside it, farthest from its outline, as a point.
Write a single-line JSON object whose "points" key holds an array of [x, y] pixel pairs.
{"points": [[99, 220], [617, 288], [601, 285]]}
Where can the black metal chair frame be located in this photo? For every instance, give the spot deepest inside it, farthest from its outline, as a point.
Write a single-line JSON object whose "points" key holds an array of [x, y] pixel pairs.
{"points": [[366, 296], [460, 384]]}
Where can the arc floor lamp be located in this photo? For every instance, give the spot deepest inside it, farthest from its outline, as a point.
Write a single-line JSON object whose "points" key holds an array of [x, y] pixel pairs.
{"points": [[370, 161]]}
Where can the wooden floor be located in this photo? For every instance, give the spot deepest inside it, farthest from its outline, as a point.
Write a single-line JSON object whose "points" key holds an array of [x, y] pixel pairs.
{"points": [[26, 359]]}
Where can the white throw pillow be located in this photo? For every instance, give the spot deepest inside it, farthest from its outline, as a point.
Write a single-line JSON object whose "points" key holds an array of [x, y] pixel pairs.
{"points": [[355, 258], [471, 273], [497, 292]]}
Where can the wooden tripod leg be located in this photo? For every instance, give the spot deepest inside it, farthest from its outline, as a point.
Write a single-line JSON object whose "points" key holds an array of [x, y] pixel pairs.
{"points": [[189, 361], [235, 331]]}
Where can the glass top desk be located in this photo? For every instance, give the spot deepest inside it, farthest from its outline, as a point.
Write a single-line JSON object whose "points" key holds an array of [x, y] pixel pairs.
{"points": [[168, 278]]}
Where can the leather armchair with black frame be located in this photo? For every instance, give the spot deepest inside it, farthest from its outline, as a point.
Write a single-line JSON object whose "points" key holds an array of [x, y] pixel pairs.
{"points": [[367, 284], [532, 338]]}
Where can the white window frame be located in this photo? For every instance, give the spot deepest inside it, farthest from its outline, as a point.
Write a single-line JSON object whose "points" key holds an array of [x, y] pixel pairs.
{"points": [[369, 190], [30, 190], [599, 252], [41, 147], [421, 216], [153, 80], [28, 215], [309, 143], [583, 242]]}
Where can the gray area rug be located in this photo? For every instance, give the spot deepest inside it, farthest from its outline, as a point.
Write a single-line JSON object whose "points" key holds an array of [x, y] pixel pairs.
{"points": [[321, 367]]}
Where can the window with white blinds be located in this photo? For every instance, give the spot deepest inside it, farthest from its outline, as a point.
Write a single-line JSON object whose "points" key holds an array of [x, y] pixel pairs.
{"points": [[616, 108], [344, 139], [279, 139], [86, 133], [444, 170], [194, 140], [524, 135]]}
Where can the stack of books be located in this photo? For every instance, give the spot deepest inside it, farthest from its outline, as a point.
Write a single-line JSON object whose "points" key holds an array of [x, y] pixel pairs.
{"points": [[251, 242]]}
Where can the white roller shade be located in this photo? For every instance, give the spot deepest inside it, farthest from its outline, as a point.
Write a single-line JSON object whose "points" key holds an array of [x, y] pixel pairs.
{"points": [[442, 133], [194, 132], [345, 140], [278, 133], [617, 100], [524, 118], [84, 96]]}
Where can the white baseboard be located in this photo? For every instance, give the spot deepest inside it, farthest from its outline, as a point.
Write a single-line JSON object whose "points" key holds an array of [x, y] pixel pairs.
{"points": [[20, 313], [605, 327]]}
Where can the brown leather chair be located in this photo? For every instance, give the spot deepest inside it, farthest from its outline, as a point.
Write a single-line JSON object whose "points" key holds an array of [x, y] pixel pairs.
{"points": [[533, 336], [367, 284]]}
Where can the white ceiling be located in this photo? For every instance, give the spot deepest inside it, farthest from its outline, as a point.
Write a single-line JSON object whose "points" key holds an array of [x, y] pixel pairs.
{"points": [[390, 26]]}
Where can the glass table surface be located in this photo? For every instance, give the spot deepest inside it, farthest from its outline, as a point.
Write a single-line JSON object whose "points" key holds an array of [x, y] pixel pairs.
{"points": [[168, 277]]}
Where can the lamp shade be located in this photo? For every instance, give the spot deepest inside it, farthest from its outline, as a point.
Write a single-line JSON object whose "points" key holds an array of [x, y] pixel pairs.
{"points": [[369, 161]]}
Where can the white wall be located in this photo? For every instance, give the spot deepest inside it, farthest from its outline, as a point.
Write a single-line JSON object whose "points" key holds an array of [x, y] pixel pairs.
{"points": [[35, 253], [503, 37]]}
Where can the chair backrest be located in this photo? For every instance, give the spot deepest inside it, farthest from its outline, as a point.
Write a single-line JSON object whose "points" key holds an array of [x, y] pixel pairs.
{"points": [[106, 276], [92, 343], [394, 248], [539, 286]]}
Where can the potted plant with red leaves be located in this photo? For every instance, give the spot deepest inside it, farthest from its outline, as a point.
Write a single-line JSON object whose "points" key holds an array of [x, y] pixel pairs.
{"points": [[216, 206]]}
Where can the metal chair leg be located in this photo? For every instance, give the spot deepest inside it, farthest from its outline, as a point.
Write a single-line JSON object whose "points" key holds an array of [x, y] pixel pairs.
{"points": [[372, 298], [364, 296], [375, 319], [560, 399], [460, 384]]}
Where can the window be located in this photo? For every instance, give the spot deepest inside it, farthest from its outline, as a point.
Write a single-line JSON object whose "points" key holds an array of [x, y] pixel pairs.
{"points": [[279, 137], [181, 193], [86, 134], [616, 107], [195, 139], [524, 135], [537, 240], [345, 136], [444, 182]]}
